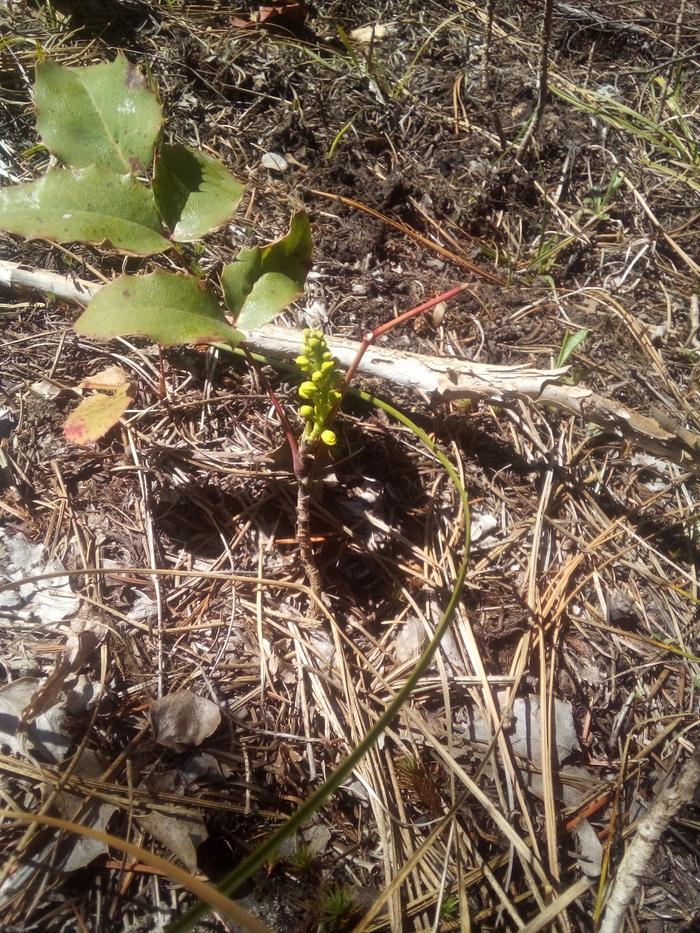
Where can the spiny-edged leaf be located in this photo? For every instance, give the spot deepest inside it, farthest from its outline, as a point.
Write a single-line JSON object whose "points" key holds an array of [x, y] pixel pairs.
{"points": [[92, 205], [100, 114], [265, 279], [96, 415], [169, 308], [195, 193], [570, 343]]}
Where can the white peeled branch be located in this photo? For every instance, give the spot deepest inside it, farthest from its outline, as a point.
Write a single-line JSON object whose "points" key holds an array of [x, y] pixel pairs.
{"points": [[445, 377]]}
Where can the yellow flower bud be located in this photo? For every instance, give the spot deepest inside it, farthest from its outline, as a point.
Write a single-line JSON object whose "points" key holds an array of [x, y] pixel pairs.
{"points": [[329, 438], [307, 390]]}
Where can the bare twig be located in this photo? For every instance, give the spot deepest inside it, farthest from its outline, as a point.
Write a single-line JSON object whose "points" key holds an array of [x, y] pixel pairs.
{"points": [[304, 475], [488, 36], [543, 83], [449, 378], [636, 859]]}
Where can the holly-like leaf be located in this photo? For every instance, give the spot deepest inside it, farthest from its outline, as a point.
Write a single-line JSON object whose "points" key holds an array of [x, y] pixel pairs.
{"points": [[263, 280], [92, 205], [195, 193], [100, 114], [170, 309], [96, 415]]}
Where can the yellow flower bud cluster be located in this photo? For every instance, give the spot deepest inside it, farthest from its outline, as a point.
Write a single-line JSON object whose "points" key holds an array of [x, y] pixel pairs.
{"points": [[319, 391]]}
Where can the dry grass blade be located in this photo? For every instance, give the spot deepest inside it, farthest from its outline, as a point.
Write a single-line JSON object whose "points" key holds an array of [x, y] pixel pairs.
{"points": [[553, 911], [456, 258], [200, 889]]}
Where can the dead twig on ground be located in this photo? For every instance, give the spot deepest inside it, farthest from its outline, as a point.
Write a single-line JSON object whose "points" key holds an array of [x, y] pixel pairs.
{"points": [[543, 82], [449, 378], [649, 832]]}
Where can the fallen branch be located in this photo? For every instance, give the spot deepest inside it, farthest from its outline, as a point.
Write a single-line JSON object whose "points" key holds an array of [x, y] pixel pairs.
{"points": [[636, 859], [445, 377]]}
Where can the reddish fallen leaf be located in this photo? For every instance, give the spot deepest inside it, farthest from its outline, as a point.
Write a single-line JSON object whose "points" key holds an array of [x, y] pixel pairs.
{"points": [[96, 415], [289, 15]]}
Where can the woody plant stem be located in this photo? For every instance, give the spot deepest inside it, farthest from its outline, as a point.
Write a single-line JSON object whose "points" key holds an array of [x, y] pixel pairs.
{"points": [[302, 460], [303, 453]]}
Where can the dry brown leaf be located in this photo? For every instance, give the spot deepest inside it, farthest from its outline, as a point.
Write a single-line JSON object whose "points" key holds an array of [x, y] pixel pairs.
{"points": [[44, 734], [46, 602], [183, 719], [179, 831], [107, 380]]}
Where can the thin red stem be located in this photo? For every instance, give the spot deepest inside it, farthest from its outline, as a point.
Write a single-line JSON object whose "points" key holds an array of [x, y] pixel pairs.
{"points": [[370, 337], [286, 426], [419, 309]]}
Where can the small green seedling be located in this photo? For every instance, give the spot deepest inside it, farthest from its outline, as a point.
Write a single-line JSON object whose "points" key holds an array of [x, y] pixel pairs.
{"points": [[569, 344], [599, 198], [337, 908], [449, 908], [302, 861]]}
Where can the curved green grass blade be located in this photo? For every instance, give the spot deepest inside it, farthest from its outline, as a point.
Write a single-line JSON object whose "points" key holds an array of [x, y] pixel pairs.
{"points": [[92, 205], [194, 192], [100, 114], [313, 803], [171, 309]]}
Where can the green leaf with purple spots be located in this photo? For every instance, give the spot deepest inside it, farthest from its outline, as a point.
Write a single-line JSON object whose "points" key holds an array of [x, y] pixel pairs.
{"points": [[92, 205]]}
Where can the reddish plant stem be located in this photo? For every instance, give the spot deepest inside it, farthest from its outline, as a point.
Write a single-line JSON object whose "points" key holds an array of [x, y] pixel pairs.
{"points": [[286, 426], [305, 477], [303, 463], [370, 337], [303, 453]]}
